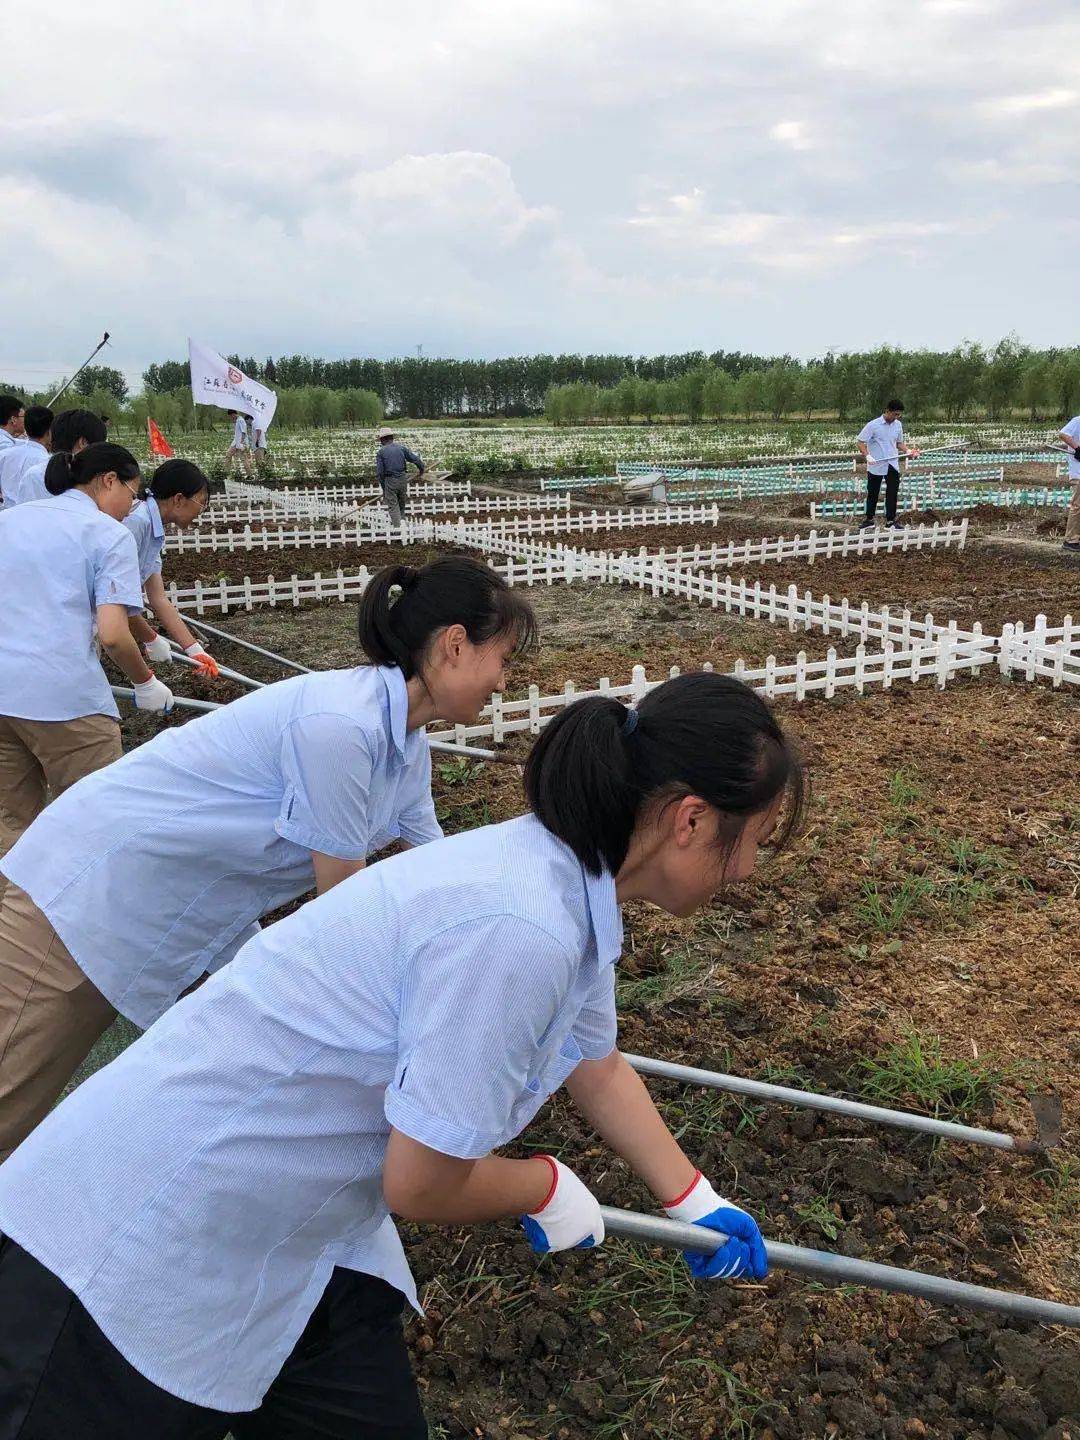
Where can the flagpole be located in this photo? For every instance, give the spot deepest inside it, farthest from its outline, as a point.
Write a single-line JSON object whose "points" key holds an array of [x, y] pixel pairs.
{"points": [[82, 367]]}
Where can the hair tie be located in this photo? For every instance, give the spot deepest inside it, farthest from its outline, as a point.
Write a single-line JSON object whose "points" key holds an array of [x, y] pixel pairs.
{"points": [[629, 724]]}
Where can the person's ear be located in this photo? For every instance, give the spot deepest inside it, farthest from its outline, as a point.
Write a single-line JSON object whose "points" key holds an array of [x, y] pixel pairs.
{"points": [[454, 637], [689, 821]]}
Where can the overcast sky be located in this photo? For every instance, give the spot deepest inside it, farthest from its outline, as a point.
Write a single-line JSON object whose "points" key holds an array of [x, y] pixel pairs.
{"points": [[495, 178]]}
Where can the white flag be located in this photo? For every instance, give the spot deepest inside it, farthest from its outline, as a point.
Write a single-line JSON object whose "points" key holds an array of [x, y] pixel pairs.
{"points": [[215, 382]]}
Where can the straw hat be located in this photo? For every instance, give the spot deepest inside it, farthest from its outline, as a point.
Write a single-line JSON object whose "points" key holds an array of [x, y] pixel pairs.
{"points": [[384, 434]]}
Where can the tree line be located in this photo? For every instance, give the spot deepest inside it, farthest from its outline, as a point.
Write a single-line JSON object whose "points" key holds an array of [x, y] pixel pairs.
{"points": [[969, 381]]}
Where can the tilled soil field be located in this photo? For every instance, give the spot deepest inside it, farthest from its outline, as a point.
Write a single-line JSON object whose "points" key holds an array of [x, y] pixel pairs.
{"points": [[915, 946]]}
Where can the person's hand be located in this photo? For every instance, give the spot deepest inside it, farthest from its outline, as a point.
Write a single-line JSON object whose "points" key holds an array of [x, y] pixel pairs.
{"points": [[569, 1218], [208, 666], [153, 695], [743, 1250], [913, 452], [158, 650]]}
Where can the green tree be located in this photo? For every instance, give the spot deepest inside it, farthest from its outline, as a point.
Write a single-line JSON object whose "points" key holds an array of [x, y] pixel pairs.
{"points": [[1001, 378], [718, 398]]}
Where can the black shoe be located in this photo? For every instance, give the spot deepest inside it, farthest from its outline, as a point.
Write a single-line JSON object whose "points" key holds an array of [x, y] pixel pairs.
{"points": [[1073, 545], [867, 524], [893, 525]]}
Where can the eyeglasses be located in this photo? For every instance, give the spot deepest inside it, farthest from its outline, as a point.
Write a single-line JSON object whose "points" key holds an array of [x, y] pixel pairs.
{"points": [[135, 486]]}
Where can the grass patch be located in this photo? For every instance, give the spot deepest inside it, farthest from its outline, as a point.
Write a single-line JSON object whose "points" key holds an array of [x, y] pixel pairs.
{"points": [[819, 1212], [915, 1072], [886, 909]]}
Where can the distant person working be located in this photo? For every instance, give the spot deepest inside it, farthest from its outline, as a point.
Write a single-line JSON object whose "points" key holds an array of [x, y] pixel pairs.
{"points": [[391, 474], [239, 444], [1070, 433], [881, 443]]}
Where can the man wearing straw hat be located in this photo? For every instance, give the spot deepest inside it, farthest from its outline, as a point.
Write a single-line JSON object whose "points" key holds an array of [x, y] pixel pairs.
{"points": [[390, 463]]}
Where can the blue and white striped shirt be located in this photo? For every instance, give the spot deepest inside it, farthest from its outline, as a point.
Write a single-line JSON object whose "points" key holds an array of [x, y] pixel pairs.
{"points": [[14, 462], [153, 869], [197, 1193], [146, 525]]}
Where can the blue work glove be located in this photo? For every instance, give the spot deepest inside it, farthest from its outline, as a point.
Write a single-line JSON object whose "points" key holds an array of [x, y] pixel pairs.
{"points": [[744, 1252], [569, 1218]]}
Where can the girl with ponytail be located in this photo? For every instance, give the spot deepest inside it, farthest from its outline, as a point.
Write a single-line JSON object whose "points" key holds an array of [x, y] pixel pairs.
{"points": [[177, 495], [371, 1054], [69, 571], [156, 870]]}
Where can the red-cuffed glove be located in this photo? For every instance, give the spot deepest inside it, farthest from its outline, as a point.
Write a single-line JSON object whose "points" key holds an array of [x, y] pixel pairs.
{"points": [[208, 666]]}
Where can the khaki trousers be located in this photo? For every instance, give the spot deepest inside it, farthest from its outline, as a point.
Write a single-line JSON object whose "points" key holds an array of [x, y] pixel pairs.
{"points": [[1072, 522], [50, 1016], [39, 756]]}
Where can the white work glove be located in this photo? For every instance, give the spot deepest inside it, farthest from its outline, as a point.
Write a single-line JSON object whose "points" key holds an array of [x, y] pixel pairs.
{"points": [[569, 1218], [158, 650], [153, 695], [742, 1250]]}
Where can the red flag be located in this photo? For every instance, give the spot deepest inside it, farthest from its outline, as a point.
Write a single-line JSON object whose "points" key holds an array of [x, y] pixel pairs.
{"points": [[158, 444]]}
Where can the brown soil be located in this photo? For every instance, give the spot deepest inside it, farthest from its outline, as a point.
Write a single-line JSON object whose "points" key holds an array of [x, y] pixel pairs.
{"points": [[932, 894]]}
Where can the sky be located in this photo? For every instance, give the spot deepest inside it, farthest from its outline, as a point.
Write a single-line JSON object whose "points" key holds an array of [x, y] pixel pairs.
{"points": [[486, 179]]}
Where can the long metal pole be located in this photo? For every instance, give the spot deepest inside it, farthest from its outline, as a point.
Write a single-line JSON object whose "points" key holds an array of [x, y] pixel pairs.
{"points": [[833, 1104], [442, 746], [181, 659], [245, 644], [82, 367], [840, 1270]]}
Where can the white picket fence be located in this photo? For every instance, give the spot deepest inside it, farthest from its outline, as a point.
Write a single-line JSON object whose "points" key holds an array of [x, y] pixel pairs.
{"points": [[940, 660], [1045, 651]]}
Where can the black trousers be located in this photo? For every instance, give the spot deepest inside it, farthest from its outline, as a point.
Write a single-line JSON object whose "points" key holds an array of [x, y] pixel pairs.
{"points": [[892, 491], [349, 1374]]}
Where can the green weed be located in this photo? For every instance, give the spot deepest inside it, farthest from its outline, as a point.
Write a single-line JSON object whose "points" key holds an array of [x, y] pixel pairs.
{"points": [[819, 1212], [887, 909], [459, 771], [915, 1071]]}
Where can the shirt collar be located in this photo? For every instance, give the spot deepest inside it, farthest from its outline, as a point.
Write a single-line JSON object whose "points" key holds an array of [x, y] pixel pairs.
{"points": [[38, 446], [74, 493], [157, 526], [398, 698], [606, 916]]}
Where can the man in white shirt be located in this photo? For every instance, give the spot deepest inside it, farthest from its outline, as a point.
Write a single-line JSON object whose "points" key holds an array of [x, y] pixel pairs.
{"points": [[881, 443], [1070, 433], [11, 421], [239, 444], [17, 459]]}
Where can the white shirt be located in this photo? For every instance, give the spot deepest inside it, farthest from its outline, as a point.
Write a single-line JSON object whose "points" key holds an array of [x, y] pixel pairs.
{"points": [[240, 433], [197, 1193], [145, 523], [7, 440], [152, 870], [882, 438], [1072, 429], [16, 459], [60, 559]]}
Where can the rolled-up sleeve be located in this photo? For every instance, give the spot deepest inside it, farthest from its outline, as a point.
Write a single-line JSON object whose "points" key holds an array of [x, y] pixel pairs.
{"points": [[326, 765], [478, 1001], [596, 1028], [417, 821], [116, 575]]}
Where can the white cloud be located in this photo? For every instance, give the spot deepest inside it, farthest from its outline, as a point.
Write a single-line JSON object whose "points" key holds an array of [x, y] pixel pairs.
{"points": [[792, 133], [1033, 103], [575, 173]]}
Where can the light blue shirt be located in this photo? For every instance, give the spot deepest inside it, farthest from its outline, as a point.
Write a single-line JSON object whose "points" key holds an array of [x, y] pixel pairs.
{"points": [[197, 1193], [882, 437], [146, 525], [1073, 429], [7, 440], [60, 559], [153, 869], [30, 483], [14, 461]]}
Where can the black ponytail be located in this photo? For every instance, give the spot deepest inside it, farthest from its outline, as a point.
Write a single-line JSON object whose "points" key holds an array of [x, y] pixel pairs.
{"points": [[593, 769], [64, 471], [71, 426], [403, 608], [178, 477]]}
